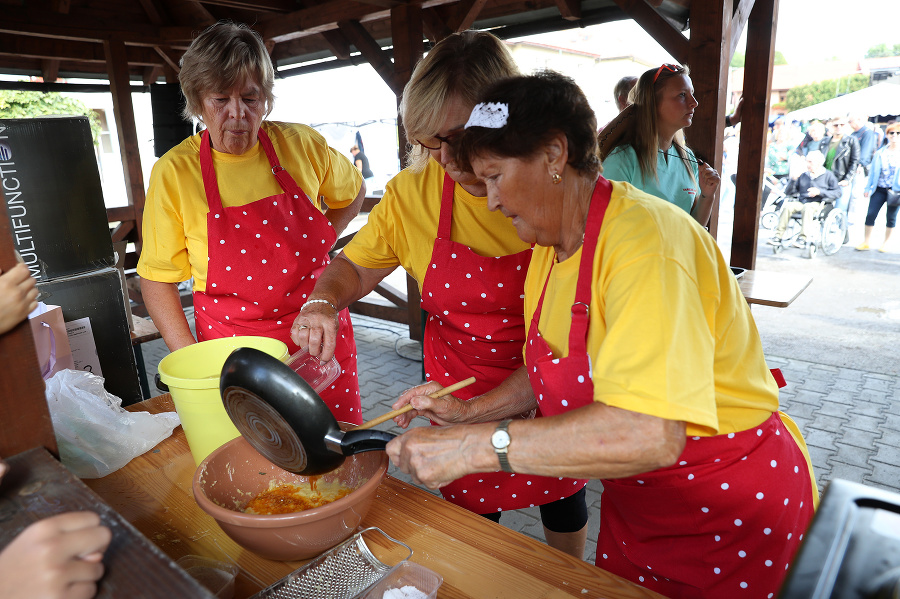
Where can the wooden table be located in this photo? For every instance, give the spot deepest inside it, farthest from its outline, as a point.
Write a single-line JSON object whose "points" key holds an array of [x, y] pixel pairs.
{"points": [[776, 289], [476, 557]]}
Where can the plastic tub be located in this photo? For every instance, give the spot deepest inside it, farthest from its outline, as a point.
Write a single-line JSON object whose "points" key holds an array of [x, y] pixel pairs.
{"points": [[409, 579], [192, 375], [315, 372], [217, 577]]}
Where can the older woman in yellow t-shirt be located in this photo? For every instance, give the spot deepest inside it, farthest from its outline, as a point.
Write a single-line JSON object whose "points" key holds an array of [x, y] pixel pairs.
{"points": [[642, 357], [470, 266], [236, 208]]}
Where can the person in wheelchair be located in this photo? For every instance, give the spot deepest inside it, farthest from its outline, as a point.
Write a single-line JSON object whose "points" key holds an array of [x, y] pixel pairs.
{"points": [[813, 189]]}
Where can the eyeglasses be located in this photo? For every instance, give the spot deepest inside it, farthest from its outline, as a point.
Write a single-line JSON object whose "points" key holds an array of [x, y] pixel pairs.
{"points": [[672, 68], [435, 142]]}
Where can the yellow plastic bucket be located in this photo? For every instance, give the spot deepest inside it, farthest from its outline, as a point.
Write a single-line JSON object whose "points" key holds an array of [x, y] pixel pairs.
{"points": [[192, 375]]}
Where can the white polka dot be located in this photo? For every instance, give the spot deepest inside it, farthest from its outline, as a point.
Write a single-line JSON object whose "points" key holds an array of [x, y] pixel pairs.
{"points": [[484, 295], [796, 469], [718, 538], [682, 463], [731, 435], [759, 432], [717, 571], [767, 531], [705, 510], [641, 578], [759, 495], [724, 486], [221, 241], [264, 261], [742, 553], [743, 585], [217, 216], [768, 563], [564, 402], [605, 556], [738, 522], [690, 477], [270, 289], [773, 463], [447, 285], [499, 284], [237, 226], [258, 235], [249, 278], [243, 251], [214, 284], [580, 378], [790, 534]]}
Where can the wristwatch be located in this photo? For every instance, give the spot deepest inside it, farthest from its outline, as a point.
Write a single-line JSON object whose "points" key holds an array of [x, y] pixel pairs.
{"points": [[501, 440]]}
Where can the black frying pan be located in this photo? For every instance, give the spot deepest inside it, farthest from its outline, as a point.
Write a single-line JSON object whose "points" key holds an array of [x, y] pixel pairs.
{"points": [[284, 419]]}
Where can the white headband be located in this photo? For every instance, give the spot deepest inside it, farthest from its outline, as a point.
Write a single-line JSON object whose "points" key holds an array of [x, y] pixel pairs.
{"points": [[492, 115]]}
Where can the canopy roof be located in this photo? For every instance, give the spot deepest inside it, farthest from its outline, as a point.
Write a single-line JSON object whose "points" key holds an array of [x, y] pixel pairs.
{"points": [[880, 100]]}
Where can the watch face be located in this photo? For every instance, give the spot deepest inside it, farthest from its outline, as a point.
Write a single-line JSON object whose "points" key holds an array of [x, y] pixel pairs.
{"points": [[500, 439]]}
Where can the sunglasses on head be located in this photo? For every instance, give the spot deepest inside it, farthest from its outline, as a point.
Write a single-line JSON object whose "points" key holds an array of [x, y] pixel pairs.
{"points": [[672, 68]]}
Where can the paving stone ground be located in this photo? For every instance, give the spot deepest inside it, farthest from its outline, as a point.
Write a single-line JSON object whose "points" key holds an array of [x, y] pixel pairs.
{"points": [[849, 418]]}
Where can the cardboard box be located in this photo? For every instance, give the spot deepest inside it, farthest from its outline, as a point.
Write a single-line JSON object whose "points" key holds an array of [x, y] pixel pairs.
{"points": [[51, 183], [98, 296]]}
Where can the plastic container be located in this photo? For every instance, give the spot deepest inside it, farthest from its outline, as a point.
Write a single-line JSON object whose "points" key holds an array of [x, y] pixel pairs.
{"points": [[192, 375], [218, 577], [315, 372], [408, 574]]}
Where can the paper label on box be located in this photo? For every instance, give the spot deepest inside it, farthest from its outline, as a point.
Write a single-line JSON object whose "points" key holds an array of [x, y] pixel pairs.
{"points": [[84, 349]]}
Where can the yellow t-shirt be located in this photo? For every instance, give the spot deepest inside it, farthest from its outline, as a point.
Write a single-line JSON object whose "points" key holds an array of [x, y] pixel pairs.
{"points": [[175, 236], [670, 333], [403, 225]]}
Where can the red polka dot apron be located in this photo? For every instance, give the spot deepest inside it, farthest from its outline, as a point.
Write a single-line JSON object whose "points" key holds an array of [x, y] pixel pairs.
{"points": [[724, 521], [476, 328], [264, 258]]}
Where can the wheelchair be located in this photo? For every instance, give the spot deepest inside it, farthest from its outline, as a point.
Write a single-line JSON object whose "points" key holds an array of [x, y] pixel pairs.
{"points": [[828, 238]]}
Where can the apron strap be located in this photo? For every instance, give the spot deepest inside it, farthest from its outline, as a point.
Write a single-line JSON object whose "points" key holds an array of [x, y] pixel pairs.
{"points": [[580, 317], [284, 178], [208, 171], [446, 219]]}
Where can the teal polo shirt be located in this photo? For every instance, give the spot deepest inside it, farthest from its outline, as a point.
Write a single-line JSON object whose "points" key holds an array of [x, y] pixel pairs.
{"points": [[674, 185]]}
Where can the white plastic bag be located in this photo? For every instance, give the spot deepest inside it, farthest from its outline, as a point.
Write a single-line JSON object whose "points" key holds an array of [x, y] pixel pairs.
{"points": [[96, 436]]}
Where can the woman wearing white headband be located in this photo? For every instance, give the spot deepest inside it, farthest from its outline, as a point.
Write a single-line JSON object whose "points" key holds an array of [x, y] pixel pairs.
{"points": [[642, 357], [470, 266]]}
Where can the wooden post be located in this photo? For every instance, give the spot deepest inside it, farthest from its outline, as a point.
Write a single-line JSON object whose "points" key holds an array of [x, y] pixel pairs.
{"points": [[708, 59], [754, 129], [117, 68], [24, 414], [407, 33]]}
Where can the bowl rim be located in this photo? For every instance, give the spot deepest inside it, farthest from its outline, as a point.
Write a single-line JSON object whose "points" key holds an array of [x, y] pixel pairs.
{"points": [[222, 514]]}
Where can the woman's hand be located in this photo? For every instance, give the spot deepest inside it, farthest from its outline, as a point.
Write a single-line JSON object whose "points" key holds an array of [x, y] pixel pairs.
{"points": [[18, 296], [435, 456], [709, 180], [443, 410], [316, 327]]}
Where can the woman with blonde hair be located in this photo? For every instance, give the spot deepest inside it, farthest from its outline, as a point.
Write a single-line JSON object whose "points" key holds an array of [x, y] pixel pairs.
{"points": [[644, 145], [470, 264]]}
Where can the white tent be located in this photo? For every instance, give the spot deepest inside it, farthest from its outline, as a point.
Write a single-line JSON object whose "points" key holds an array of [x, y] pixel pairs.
{"points": [[879, 100]]}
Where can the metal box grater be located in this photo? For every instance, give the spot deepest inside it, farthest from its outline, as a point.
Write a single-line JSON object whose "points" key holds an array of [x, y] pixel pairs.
{"points": [[344, 572]]}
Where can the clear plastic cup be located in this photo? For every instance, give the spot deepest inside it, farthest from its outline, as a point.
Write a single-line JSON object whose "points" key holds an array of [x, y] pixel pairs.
{"points": [[315, 372], [408, 579], [217, 577]]}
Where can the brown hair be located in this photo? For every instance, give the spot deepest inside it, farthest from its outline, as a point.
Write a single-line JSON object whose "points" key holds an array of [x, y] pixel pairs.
{"points": [[223, 55], [637, 125], [540, 106], [459, 66]]}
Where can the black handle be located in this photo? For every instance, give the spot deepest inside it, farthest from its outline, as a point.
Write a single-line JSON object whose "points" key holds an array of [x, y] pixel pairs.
{"points": [[364, 440], [160, 385]]}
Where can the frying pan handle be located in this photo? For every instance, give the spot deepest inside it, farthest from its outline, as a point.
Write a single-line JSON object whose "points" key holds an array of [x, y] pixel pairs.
{"points": [[364, 440]]}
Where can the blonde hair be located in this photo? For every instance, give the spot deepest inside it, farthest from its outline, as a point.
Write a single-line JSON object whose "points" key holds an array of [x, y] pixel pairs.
{"points": [[222, 56], [459, 66], [637, 125]]}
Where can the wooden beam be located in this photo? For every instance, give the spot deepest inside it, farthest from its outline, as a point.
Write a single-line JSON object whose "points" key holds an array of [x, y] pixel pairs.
{"points": [[710, 22], [338, 44], [23, 406], [466, 13], [151, 74], [153, 11], [50, 70], [53, 25], [662, 29], [754, 128], [22, 46], [191, 12], [117, 68], [570, 10], [435, 25], [169, 57], [380, 60], [738, 22]]}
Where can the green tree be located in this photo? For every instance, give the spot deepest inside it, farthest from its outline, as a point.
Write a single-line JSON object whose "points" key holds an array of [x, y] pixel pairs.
{"points": [[802, 96], [737, 61], [16, 104], [779, 58], [881, 50]]}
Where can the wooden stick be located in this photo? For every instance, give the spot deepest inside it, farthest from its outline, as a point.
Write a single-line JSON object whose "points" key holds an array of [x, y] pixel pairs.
{"points": [[408, 407]]}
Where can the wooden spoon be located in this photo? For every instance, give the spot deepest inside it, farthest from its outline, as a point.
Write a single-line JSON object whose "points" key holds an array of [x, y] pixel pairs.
{"points": [[408, 407]]}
